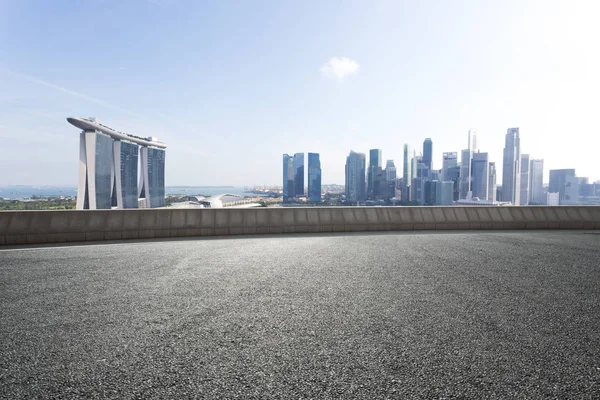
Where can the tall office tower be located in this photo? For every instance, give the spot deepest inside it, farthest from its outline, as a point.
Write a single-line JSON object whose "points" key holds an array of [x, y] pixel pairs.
{"points": [[418, 186], [355, 177], [108, 168], [465, 173], [480, 175], [492, 182], [536, 182], [465, 163], [430, 195], [95, 171], [453, 175], [524, 180], [299, 174], [152, 178], [427, 152], [125, 189], [288, 177], [511, 167], [374, 166], [450, 160], [390, 170], [407, 172], [314, 177], [565, 183]]}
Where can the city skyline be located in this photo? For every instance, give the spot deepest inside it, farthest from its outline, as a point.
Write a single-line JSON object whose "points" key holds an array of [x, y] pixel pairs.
{"points": [[220, 82]]}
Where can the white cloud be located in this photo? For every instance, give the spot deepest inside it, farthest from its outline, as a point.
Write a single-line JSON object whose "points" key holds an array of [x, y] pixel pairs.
{"points": [[339, 68]]}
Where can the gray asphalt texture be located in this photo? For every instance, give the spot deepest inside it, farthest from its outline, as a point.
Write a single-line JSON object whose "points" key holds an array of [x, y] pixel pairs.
{"points": [[398, 315]]}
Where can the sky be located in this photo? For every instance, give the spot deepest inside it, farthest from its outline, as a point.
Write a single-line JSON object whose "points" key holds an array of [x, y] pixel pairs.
{"points": [[230, 86]]}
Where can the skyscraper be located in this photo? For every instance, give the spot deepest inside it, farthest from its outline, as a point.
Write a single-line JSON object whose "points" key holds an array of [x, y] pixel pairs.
{"points": [[465, 173], [492, 182], [427, 152], [390, 170], [565, 183], [126, 158], [418, 186], [480, 175], [299, 174], [108, 168], [355, 177], [374, 167], [314, 177], [407, 171], [511, 167], [536, 182], [524, 180], [288, 177], [465, 163], [152, 178], [473, 141], [450, 160]]}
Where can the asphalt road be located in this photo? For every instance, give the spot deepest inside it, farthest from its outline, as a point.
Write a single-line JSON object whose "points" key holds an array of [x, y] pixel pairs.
{"points": [[438, 316]]}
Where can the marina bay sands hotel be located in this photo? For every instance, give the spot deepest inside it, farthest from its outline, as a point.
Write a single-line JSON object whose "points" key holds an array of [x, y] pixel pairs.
{"points": [[109, 162]]}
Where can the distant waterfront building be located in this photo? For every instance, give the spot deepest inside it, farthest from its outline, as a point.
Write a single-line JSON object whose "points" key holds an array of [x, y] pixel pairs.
{"points": [[374, 167], [355, 177], [536, 182], [314, 177], [492, 182], [299, 174], [479, 175], [427, 153], [390, 170], [511, 167], [450, 160], [524, 180], [288, 177], [552, 199], [565, 183], [444, 193], [108, 168]]}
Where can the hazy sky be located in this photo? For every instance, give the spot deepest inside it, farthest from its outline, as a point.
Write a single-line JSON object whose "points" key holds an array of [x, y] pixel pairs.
{"points": [[231, 86]]}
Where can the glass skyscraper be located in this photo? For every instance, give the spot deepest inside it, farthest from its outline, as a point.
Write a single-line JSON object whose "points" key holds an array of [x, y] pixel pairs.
{"points": [[480, 175], [288, 177], [374, 167], [427, 152], [524, 195], [355, 177], [126, 162], [511, 167], [299, 174], [156, 177], [314, 177], [536, 182]]}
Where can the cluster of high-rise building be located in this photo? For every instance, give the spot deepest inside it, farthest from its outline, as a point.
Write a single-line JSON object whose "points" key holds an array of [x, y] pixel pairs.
{"points": [[293, 177], [118, 170], [472, 181]]}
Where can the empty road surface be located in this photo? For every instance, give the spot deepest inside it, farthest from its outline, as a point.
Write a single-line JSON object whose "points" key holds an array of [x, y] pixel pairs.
{"points": [[391, 315]]}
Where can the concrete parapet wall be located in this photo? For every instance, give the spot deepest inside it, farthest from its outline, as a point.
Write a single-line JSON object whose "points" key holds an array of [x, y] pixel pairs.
{"points": [[25, 227]]}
